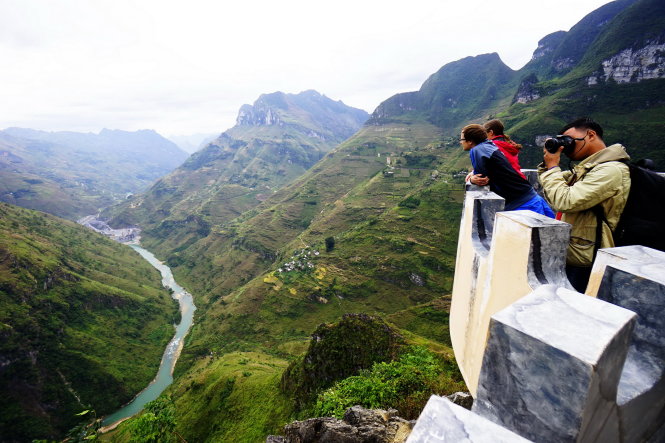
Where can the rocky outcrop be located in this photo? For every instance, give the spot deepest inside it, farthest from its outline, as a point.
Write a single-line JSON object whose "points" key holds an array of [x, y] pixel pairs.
{"points": [[548, 44], [632, 65], [340, 350], [562, 64], [257, 116], [359, 425], [527, 90], [463, 399], [397, 105]]}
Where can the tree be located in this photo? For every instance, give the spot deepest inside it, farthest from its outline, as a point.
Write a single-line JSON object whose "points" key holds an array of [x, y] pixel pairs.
{"points": [[330, 243]]}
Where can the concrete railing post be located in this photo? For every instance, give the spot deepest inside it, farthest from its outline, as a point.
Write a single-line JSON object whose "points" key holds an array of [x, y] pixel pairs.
{"points": [[501, 257]]}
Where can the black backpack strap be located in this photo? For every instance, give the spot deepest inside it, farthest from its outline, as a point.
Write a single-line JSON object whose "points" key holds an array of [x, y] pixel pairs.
{"points": [[600, 219]]}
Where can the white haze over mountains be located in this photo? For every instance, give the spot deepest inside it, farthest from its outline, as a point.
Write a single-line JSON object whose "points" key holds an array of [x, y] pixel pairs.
{"points": [[194, 142], [185, 67]]}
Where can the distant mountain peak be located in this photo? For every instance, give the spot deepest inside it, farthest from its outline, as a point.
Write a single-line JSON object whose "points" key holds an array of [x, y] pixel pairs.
{"points": [[272, 109], [444, 96]]}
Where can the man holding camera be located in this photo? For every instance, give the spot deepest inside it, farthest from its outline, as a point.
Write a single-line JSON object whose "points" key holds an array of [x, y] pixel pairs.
{"points": [[594, 192]]}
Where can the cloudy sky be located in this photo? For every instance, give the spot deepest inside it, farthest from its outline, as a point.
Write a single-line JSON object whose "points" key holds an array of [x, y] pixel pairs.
{"points": [[184, 67]]}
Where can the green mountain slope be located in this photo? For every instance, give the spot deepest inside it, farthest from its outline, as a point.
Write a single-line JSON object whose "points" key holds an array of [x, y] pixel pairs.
{"points": [[83, 323], [574, 73], [458, 92], [73, 174], [561, 51], [630, 109]]}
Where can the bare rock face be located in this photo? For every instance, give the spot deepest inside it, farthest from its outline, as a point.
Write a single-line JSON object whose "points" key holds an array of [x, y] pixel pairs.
{"points": [[463, 399], [527, 90], [633, 65], [359, 425]]}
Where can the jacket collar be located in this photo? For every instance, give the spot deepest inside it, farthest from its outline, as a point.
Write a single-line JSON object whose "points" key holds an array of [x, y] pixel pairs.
{"points": [[611, 153]]}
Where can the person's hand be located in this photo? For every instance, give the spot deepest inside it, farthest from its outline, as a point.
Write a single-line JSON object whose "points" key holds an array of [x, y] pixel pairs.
{"points": [[479, 179], [550, 159]]}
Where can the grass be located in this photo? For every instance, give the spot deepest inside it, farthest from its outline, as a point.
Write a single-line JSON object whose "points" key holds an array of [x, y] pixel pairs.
{"points": [[217, 399]]}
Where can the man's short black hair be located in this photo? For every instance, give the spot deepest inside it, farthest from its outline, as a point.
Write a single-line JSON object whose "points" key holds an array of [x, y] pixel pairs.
{"points": [[584, 123]]}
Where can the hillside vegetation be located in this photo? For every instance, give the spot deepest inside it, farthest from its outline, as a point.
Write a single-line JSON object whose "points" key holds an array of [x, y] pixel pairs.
{"points": [[83, 324], [265, 281]]}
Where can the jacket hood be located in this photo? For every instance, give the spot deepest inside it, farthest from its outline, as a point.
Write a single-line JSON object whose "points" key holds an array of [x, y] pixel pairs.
{"points": [[502, 143]]}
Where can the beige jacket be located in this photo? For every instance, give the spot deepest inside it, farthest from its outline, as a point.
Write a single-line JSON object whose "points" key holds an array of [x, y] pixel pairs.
{"points": [[600, 178]]}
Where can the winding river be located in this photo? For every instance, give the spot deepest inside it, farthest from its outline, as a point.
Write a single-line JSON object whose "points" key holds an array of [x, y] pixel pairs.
{"points": [[164, 375]]}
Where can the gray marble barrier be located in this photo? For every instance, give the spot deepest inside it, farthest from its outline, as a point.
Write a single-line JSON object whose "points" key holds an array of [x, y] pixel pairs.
{"points": [[444, 421], [634, 277], [552, 365], [532, 177], [484, 212]]}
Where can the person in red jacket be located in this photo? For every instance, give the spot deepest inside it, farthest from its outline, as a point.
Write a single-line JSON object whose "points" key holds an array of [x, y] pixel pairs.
{"points": [[509, 148]]}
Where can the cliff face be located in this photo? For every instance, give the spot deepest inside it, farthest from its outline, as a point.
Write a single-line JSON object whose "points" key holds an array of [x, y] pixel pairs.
{"points": [[309, 112], [633, 65], [527, 91], [396, 105], [256, 116], [548, 44]]}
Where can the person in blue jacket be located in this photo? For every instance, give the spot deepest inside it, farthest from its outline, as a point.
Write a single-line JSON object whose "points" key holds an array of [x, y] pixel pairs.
{"points": [[491, 167]]}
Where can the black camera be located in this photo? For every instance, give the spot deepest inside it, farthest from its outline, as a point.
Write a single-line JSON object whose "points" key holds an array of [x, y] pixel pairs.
{"points": [[552, 144]]}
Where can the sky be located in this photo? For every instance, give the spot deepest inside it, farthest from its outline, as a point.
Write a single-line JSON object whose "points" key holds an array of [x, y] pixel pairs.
{"points": [[186, 67]]}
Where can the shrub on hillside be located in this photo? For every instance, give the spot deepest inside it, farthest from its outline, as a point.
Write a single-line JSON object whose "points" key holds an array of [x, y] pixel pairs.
{"points": [[337, 351], [404, 384]]}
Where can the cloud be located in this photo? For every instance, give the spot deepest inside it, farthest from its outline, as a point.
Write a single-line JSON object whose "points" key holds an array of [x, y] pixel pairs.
{"points": [[186, 67]]}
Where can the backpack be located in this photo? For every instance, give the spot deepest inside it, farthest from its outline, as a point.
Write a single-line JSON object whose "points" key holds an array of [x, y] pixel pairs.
{"points": [[643, 219]]}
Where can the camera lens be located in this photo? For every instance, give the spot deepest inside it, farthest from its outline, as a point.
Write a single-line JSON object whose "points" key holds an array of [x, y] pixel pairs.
{"points": [[552, 145]]}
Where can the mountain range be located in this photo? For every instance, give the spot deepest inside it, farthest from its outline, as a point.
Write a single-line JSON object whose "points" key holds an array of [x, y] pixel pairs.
{"points": [[274, 141], [72, 174], [192, 143]]}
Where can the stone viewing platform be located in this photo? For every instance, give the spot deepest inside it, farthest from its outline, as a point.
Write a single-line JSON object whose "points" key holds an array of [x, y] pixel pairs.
{"points": [[543, 362]]}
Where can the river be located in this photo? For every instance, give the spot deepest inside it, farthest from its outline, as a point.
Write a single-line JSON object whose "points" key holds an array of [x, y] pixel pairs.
{"points": [[164, 375]]}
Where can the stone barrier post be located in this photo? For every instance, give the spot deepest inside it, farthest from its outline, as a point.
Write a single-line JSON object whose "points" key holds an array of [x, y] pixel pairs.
{"points": [[501, 257]]}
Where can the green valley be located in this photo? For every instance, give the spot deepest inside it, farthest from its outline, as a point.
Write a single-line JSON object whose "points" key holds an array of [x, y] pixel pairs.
{"points": [[83, 323]]}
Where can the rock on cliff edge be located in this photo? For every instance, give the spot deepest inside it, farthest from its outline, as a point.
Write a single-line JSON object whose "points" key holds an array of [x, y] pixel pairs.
{"points": [[358, 425]]}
